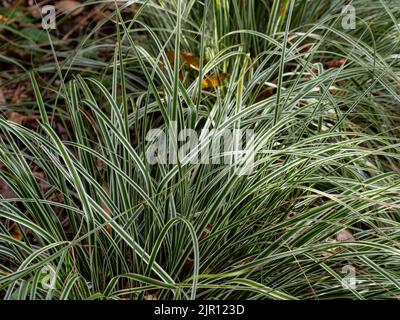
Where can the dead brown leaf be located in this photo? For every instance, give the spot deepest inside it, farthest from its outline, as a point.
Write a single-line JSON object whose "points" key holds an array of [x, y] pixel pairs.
{"points": [[206, 231], [214, 81], [20, 93], [20, 118], [190, 60], [345, 235], [149, 296], [69, 7], [44, 185], [337, 63], [5, 191], [189, 263], [16, 233], [187, 59], [2, 98], [35, 11]]}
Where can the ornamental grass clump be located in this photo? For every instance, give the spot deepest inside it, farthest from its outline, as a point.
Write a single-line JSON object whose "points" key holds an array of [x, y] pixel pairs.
{"points": [[315, 213]]}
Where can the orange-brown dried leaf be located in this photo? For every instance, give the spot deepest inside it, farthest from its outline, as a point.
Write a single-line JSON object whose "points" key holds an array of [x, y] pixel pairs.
{"points": [[16, 233], [2, 96], [20, 118], [339, 92], [337, 63], [265, 93], [206, 231], [69, 6], [6, 20], [246, 261], [188, 59], [171, 56], [189, 264], [15, 117], [214, 81]]}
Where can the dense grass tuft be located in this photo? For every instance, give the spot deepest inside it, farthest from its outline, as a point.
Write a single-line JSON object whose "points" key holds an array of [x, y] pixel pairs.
{"points": [[324, 197]]}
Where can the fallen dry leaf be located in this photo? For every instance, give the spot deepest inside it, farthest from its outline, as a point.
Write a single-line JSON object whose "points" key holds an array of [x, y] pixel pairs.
{"points": [[335, 63], [44, 185], [3, 19], [329, 251], [171, 56], [206, 231], [5, 191], [2, 98], [35, 11], [16, 233], [345, 235], [15, 117], [213, 81], [20, 118], [20, 93], [96, 14], [265, 92], [190, 60], [189, 263], [245, 261], [69, 6], [187, 59]]}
